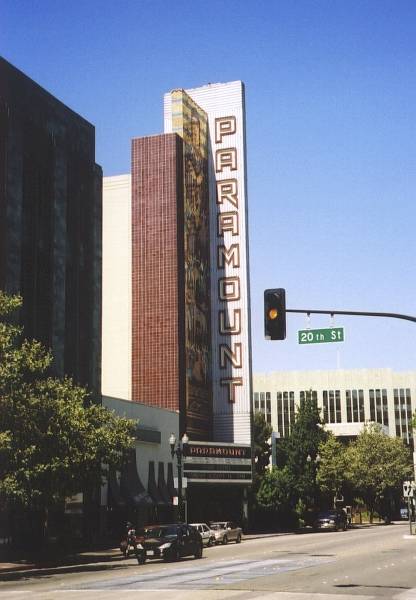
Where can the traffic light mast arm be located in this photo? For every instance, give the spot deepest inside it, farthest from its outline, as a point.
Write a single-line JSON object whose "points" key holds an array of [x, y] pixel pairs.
{"points": [[353, 312]]}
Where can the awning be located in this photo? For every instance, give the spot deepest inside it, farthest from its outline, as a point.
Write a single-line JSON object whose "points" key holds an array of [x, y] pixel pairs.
{"points": [[130, 485], [161, 484], [171, 482], [153, 488], [114, 489]]}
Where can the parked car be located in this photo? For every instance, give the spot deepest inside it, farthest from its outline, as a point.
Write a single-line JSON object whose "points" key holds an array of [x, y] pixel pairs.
{"points": [[171, 542], [226, 531], [207, 534], [333, 520]]}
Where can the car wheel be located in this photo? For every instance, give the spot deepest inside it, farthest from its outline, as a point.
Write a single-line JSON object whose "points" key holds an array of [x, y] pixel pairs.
{"points": [[198, 552], [141, 559], [209, 543], [225, 540], [238, 540], [173, 555]]}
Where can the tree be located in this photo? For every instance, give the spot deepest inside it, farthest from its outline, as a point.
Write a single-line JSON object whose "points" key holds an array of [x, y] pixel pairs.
{"points": [[378, 464], [262, 449], [275, 496], [332, 472], [306, 435], [54, 442], [261, 433]]}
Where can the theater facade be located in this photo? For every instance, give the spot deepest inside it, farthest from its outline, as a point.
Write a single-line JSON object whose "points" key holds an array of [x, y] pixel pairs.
{"points": [[176, 301]]}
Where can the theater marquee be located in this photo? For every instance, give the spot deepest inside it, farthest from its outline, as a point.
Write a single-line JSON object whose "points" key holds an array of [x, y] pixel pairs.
{"points": [[218, 463]]}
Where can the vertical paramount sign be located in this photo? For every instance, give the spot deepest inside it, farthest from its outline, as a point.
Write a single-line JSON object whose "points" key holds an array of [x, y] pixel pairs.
{"points": [[230, 309]]}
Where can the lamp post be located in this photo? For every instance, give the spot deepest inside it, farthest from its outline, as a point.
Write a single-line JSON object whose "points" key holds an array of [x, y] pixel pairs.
{"points": [[315, 463], [179, 449]]}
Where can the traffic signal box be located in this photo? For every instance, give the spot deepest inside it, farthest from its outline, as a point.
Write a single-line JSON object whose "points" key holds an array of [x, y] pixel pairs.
{"points": [[275, 314]]}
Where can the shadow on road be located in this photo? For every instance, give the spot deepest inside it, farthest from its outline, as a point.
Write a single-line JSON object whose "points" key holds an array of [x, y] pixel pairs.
{"points": [[78, 568]]}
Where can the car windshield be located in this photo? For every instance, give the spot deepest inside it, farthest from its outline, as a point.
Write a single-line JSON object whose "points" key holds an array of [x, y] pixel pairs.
{"points": [[327, 514], [159, 532], [217, 525]]}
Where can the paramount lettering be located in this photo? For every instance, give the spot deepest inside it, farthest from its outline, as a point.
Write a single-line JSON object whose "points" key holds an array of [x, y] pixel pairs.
{"points": [[230, 353]]}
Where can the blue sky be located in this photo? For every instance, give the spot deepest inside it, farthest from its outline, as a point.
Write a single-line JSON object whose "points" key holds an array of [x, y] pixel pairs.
{"points": [[331, 139]]}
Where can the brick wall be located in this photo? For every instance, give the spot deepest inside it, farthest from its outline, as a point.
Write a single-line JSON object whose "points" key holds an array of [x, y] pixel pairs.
{"points": [[157, 281]]}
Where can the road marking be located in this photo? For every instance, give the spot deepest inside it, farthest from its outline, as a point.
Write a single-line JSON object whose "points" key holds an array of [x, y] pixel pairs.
{"points": [[206, 576]]}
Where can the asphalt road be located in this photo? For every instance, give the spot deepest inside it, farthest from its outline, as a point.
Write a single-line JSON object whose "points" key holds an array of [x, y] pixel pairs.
{"points": [[359, 564]]}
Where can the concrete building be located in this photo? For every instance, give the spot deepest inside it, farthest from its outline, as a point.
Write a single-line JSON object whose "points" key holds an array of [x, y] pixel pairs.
{"points": [[50, 224], [347, 399], [117, 284], [176, 329]]}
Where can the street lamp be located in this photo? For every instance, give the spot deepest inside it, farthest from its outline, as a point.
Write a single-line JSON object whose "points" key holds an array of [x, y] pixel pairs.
{"points": [[180, 450], [315, 462]]}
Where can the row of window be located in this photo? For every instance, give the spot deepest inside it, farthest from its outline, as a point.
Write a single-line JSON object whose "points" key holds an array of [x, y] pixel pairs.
{"points": [[331, 407]]}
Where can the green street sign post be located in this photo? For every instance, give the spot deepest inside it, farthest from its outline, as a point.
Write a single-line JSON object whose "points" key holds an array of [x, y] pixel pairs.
{"points": [[321, 336]]}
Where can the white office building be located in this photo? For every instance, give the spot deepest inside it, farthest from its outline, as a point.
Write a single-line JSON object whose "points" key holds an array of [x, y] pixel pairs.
{"points": [[347, 399]]}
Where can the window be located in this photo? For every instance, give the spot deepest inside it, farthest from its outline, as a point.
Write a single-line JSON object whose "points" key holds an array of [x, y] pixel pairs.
{"points": [[355, 406], [305, 394], [279, 414], [403, 413], [372, 406], [378, 406], [349, 405], [285, 412], [338, 406], [332, 406], [325, 405], [256, 401], [361, 405], [385, 407]]}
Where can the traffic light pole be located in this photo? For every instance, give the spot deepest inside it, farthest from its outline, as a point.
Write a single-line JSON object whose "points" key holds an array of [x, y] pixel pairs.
{"points": [[352, 312]]}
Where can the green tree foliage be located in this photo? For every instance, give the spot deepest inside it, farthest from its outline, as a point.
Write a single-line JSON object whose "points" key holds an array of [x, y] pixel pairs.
{"points": [[306, 436], [54, 442], [261, 433], [377, 465], [262, 449], [332, 472], [275, 492], [285, 491]]}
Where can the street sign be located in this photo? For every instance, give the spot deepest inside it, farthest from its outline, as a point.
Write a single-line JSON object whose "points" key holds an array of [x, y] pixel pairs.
{"points": [[408, 489], [321, 336]]}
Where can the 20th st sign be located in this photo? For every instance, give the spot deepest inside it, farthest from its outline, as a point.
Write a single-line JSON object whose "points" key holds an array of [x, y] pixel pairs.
{"points": [[321, 336]]}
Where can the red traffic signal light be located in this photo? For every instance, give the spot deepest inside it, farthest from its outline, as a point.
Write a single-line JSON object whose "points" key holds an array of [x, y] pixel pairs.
{"points": [[275, 314]]}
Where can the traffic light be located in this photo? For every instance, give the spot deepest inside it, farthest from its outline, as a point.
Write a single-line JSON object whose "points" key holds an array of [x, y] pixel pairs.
{"points": [[275, 314]]}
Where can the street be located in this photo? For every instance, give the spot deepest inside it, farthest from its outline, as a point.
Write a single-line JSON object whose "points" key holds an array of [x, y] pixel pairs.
{"points": [[363, 563]]}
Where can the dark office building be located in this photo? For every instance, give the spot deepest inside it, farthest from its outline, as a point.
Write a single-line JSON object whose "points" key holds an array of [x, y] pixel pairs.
{"points": [[50, 224]]}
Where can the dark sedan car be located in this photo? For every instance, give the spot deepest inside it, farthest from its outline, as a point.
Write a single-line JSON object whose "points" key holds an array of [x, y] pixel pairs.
{"points": [[171, 542], [332, 520]]}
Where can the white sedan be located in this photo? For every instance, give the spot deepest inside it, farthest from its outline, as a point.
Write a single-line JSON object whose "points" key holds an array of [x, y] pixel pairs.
{"points": [[208, 536]]}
